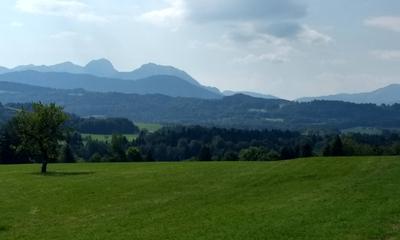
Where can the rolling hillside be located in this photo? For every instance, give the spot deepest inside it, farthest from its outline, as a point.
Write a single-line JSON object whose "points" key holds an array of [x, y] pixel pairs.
{"points": [[238, 111], [321, 198]]}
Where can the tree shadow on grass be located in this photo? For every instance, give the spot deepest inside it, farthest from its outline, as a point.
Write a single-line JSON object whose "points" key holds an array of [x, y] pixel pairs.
{"points": [[4, 228], [62, 174]]}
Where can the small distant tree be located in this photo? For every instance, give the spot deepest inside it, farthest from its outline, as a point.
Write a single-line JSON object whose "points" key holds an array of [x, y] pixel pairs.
{"points": [[40, 132], [334, 148], [306, 150], [96, 157], [118, 146], [205, 154], [253, 154], [288, 152], [230, 156], [149, 156], [337, 147], [326, 152], [273, 155], [133, 155], [67, 155]]}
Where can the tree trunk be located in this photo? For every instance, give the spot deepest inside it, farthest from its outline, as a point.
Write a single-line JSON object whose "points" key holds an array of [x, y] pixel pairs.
{"points": [[44, 167]]}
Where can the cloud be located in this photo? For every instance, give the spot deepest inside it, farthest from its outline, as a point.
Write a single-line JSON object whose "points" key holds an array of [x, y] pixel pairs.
{"points": [[171, 15], [73, 9], [253, 19], [277, 33], [279, 55], [256, 30], [390, 23], [310, 35], [283, 29], [63, 35], [16, 24], [239, 10], [386, 54]]}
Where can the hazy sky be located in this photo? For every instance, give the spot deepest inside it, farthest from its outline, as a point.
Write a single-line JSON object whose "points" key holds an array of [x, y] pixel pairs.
{"points": [[289, 48]]}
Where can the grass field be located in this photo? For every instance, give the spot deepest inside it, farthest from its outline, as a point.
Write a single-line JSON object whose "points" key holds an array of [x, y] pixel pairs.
{"points": [[331, 198], [106, 137], [151, 127]]}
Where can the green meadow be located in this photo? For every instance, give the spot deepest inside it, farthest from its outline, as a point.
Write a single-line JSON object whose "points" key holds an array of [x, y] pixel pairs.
{"points": [[107, 137], [151, 127], [318, 198]]}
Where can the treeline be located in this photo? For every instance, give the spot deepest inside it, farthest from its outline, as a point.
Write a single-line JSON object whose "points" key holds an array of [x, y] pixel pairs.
{"points": [[194, 143], [90, 125], [102, 125]]}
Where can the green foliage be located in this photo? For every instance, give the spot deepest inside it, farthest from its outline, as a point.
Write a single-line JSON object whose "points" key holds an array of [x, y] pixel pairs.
{"points": [[259, 154], [118, 146], [67, 156], [253, 154], [334, 148], [40, 132], [205, 154], [103, 126], [230, 156], [96, 157], [133, 155]]}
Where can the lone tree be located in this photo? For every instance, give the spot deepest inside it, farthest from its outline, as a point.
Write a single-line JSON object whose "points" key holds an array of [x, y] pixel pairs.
{"points": [[40, 132]]}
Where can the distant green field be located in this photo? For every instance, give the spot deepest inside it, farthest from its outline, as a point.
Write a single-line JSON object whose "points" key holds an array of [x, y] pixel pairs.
{"points": [[320, 198], [107, 138], [151, 127]]}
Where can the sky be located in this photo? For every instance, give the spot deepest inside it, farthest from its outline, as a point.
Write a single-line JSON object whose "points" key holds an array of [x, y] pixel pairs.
{"points": [[288, 48]]}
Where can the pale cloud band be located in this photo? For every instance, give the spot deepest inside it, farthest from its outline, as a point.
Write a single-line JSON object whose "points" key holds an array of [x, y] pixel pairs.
{"points": [[386, 54], [72, 9], [391, 23], [278, 18]]}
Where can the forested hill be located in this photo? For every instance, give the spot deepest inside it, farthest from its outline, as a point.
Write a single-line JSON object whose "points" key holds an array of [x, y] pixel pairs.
{"points": [[239, 111]]}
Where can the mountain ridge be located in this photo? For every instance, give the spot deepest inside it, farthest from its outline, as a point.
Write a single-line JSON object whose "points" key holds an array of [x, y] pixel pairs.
{"points": [[162, 84], [386, 95], [104, 68], [252, 94]]}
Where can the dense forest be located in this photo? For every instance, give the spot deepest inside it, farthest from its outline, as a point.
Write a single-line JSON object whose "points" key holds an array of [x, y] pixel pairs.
{"points": [[102, 125]]}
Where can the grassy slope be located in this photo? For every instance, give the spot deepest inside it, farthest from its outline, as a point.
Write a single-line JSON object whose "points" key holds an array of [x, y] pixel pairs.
{"points": [[344, 198]]}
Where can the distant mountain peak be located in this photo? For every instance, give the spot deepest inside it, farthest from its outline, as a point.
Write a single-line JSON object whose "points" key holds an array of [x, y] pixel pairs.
{"points": [[150, 64], [68, 63], [100, 67], [157, 67], [151, 69], [102, 62]]}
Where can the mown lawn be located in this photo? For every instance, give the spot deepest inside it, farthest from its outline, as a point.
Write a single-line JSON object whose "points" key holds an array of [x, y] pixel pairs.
{"points": [[320, 198]]}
